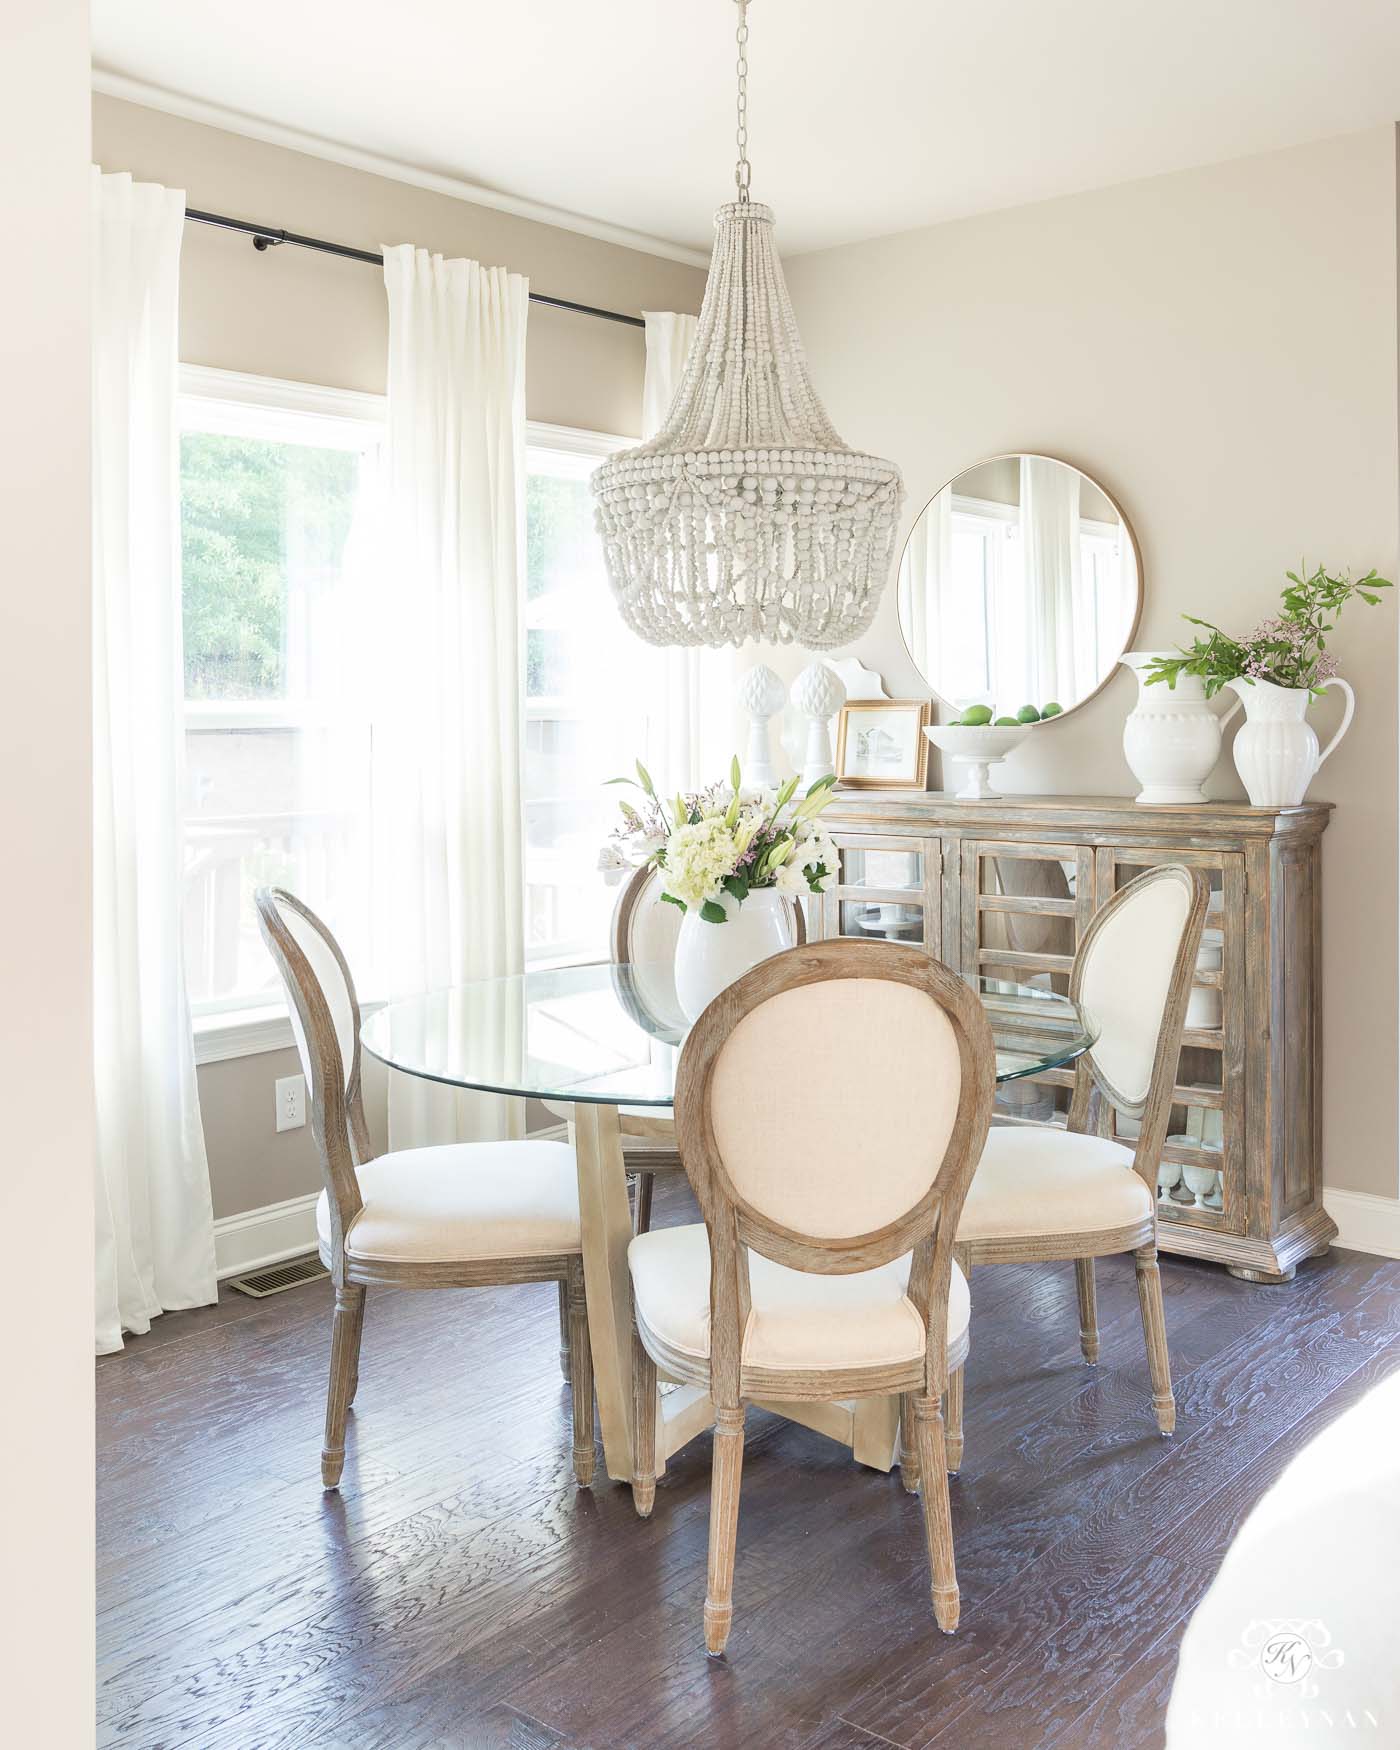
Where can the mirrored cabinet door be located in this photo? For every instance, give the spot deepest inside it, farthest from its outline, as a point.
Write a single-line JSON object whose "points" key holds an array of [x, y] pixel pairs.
{"points": [[888, 889]]}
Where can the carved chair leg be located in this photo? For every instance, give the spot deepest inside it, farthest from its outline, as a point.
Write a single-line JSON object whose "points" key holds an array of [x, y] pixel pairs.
{"points": [[356, 1334], [581, 1367], [1088, 1310], [1154, 1328], [938, 1515], [643, 1427], [954, 1440], [962, 1257], [908, 1444], [643, 1184], [724, 1524], [345, 1343], [564, 1363]]}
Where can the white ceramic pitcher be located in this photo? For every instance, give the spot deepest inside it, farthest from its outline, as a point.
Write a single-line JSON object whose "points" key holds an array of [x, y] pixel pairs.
{"points": [[1171, 740], [1276, 749]]}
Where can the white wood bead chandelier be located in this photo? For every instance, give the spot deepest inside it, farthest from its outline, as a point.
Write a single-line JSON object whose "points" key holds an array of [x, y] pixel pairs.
{"points": [[746, 516]]}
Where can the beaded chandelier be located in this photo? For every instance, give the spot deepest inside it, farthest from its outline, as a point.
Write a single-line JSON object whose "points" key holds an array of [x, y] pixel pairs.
{"points": [[746, 516]]}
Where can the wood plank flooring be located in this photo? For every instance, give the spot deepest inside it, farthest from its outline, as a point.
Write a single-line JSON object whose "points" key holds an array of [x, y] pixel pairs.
{"points": [[459, 1592]]}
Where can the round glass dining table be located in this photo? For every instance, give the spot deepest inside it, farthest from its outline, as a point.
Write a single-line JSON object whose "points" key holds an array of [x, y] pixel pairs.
{"points": [[606, 1036]]}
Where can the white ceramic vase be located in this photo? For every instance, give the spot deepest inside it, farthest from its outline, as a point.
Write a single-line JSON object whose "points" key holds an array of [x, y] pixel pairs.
{"points": [[1276, 750], [709, 957], [1171, 739]]}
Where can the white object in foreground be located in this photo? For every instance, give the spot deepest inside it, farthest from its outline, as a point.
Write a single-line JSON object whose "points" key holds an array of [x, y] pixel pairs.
{"points": [[977, 748], [1294, 1642]]}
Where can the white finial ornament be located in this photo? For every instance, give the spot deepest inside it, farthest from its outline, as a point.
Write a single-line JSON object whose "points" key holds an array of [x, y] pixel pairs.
{"points": [[761, 694], [818, 694]]}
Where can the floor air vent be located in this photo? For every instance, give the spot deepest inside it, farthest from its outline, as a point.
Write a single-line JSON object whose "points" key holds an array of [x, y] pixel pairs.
{"points": [[278, 1277]]}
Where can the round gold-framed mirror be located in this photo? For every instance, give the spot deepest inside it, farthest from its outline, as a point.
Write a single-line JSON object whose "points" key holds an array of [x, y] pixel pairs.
{"points": [[1020, 586]]}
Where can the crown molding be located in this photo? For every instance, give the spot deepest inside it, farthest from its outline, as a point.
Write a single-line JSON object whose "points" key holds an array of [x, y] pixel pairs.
{"points": [[233, 121]]}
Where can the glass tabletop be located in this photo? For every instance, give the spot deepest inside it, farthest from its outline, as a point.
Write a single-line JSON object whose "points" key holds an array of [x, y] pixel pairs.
{"points": [[612, 1034]]}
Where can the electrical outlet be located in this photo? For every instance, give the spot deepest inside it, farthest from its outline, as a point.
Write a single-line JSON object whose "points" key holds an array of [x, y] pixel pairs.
{"points": [[291, 1102]]}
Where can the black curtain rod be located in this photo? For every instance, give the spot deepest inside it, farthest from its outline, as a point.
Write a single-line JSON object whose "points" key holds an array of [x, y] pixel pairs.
{"points": [[268, 236]]}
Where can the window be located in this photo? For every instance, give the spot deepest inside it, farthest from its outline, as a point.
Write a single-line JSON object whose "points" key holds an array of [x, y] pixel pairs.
{"points": [[592, 690], [276, 497]]}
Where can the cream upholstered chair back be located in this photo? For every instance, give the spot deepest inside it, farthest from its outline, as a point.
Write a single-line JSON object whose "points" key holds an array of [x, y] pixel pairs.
{"points": [[325, 1020], [644, 927], [1133, 973], [831, 1107]]}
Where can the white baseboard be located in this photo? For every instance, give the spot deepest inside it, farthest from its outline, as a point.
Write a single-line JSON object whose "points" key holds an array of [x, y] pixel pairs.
{"points": [[1366, 1223], [259, 1237]]}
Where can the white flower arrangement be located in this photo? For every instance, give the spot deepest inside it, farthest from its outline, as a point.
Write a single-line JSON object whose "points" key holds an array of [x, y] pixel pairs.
{"points": [[726, 839]]}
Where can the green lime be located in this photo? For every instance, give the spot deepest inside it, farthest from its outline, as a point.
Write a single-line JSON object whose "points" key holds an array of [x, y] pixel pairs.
{"points": [[1028, 714], [1008, 723], [1052, 710], [975, 716]]}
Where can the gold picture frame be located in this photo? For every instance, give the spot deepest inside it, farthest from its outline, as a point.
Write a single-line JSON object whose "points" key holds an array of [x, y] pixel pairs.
{"points": [[890, 753]]}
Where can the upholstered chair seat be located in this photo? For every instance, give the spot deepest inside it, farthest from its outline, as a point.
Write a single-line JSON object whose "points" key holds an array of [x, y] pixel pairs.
{"points": [[797, 1319], [462, 1201], [1048, 1182]]}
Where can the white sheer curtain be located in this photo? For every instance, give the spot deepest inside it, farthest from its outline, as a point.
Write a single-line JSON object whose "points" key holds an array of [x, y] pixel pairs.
{"points": [[1050, 538], [448, 875], [155, 1231], [691, 713]]}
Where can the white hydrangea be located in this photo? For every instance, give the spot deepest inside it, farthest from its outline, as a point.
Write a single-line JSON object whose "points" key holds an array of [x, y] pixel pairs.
{"points": [[698, 858]]}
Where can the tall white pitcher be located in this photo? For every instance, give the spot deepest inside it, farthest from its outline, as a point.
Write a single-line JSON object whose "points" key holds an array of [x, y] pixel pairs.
{"points": [[1276, 749], [1172, 737]]}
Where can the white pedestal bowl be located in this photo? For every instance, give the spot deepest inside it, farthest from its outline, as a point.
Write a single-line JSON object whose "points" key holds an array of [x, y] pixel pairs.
{"points": [[976, 749]]}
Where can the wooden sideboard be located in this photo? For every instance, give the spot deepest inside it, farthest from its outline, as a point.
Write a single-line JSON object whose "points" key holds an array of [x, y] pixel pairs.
{"points": [[1005, 887]]}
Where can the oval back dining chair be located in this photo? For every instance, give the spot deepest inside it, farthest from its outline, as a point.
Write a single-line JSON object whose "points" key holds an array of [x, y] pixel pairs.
{"points": [[1043, 1193], [460, 1215], [831, 1106]]}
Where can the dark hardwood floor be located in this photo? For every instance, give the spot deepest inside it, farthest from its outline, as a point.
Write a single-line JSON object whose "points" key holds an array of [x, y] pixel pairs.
{"points": [[459, 1591]]}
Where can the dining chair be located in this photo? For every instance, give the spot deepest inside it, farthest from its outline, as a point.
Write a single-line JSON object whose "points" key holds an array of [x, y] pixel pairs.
{"points": [[1043, 1194], [644, 933], [831, 1106], [461, 1215]]}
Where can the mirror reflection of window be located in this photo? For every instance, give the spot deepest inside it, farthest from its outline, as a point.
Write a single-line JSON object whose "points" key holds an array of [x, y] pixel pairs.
{"points": [[1019, 585]]}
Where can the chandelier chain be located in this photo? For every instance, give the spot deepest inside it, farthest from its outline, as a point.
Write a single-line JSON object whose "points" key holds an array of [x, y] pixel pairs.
{"points": [[741, 107]]}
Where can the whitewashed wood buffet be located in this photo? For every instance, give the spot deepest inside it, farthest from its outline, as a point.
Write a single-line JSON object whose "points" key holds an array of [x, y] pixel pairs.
{"points": [[1010, 883]]}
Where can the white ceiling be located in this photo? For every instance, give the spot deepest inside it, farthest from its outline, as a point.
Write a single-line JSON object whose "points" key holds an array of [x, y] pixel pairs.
{"points": [[867, 117]]}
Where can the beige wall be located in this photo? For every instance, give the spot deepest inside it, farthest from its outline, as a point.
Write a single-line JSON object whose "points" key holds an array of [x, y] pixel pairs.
{"points": [[290, 313], [1218, 347], [46, 1310]]}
